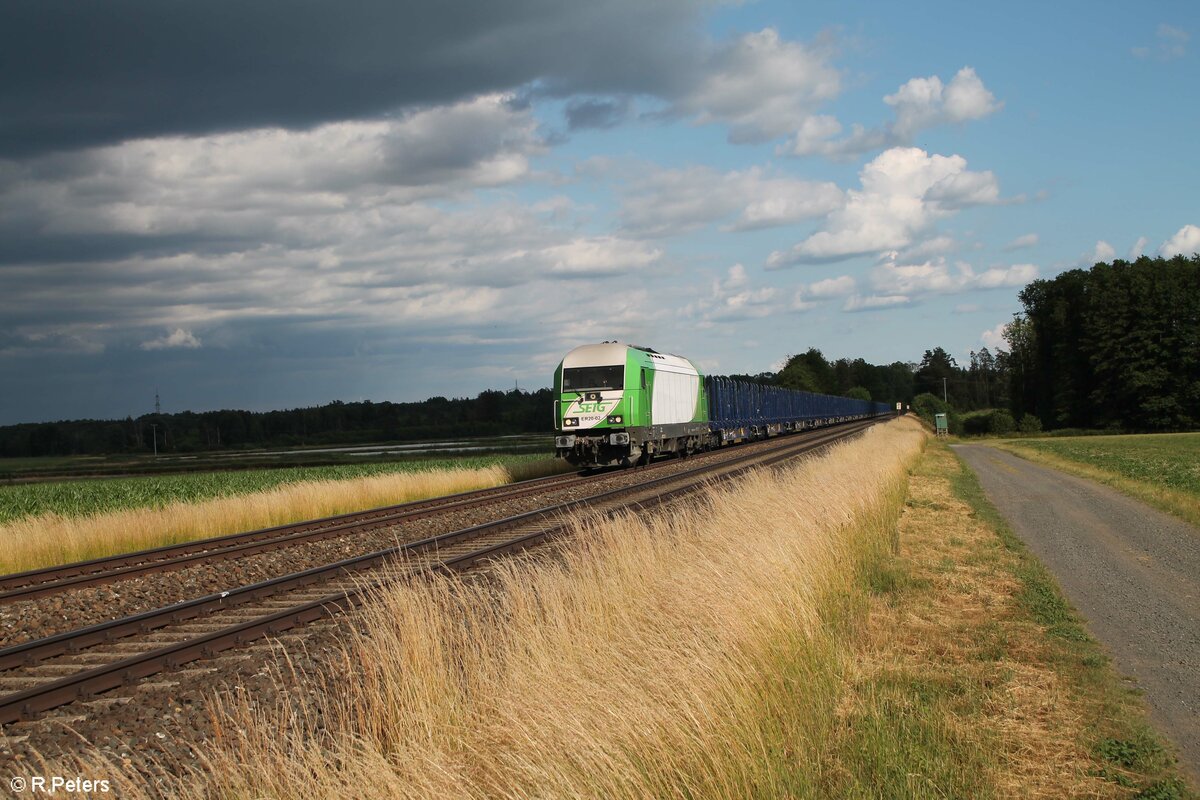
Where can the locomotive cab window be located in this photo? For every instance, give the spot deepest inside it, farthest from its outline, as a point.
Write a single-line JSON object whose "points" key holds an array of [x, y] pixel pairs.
{"points": [[577, 379]]}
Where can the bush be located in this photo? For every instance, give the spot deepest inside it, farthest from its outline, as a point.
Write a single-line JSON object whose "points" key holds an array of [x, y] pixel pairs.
{"points": [[927, 405], [981, 423], [976, 423], [1001, 422], [859, 393], [1030, 424]]}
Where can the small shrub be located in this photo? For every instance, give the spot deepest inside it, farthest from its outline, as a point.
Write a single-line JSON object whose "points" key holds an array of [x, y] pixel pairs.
{"points": [[1170, 789], [1001, 422], [980, 423], [928, 405], [976, 423], [1030, 424], [1139, 753]]}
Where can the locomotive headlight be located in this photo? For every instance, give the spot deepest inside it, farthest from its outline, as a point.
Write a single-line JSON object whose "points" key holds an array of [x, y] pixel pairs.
{"points": [[570, 422], [615, 419]]}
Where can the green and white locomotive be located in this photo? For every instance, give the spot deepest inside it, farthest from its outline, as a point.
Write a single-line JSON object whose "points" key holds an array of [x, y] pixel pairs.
{"points": [[619, 403]]}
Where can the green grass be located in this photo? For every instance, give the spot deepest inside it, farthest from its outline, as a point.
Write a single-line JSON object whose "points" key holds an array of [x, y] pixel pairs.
{"points": [[901, 746], [1168, 459], [83, 497]]}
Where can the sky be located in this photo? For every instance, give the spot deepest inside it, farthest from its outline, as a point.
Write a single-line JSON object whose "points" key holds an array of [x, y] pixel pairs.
{"points": [[280, 204]]}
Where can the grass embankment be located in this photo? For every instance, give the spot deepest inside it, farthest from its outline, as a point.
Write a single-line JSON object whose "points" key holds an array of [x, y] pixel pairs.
{"points": [[1161, 469], [80, 520]]}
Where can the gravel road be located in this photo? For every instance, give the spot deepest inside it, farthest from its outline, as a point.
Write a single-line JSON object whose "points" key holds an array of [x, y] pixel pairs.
{"points": [[1132, 571]]}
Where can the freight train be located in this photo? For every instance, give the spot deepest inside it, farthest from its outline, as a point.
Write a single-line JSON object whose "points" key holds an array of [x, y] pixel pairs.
{"points": [[619, 404]]}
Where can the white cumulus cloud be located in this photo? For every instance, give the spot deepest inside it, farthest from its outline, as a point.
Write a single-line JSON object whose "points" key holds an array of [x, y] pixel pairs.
{"points": [[875, 302], [924, 102], [918, 104], [593, 257], [936, 277], [904, 190], [832, 287], [993, 338], [761, 86], [1027, 240], [177, 339], [1102, 252], [665, 202], [733, 299], [1184, 243]]}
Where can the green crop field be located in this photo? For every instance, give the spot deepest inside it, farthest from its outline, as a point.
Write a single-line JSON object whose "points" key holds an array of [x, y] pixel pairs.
{"points": [[1162, 469], [1166, 459], [82, 497]]}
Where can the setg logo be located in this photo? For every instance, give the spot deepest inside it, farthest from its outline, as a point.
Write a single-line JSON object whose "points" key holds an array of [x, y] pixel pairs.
{"points": [[595, 408]]}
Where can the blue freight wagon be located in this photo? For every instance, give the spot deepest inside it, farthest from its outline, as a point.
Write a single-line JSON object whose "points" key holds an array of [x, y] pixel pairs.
{"points": [[741, 410]]}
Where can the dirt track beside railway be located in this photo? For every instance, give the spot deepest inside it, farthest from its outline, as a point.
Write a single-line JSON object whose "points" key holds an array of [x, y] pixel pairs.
{"points": [[1133, 572]]}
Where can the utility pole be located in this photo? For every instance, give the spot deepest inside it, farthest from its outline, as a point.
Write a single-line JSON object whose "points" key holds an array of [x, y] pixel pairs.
{"points": [[154, 425], [945, 399]]}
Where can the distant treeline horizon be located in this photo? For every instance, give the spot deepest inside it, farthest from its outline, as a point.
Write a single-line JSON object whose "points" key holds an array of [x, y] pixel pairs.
{"points": [[490, 413], [1114, 347]]}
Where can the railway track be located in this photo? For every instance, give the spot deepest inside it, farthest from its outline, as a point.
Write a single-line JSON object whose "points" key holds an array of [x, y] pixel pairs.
{"points": [[50, 580], [46, 673], [53, 580]]}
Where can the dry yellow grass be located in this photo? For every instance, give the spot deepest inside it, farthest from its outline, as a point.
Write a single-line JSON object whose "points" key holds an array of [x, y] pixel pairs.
{"points": [[51, 539], [693, 654]]}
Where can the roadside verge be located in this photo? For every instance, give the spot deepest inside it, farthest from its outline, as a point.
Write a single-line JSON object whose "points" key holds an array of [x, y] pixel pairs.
{"points": [[968, 621]]}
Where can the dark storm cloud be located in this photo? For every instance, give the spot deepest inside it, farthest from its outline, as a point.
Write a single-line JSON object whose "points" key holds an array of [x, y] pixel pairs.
{"points": [[21, 246], [597, 113], [79, 74]]}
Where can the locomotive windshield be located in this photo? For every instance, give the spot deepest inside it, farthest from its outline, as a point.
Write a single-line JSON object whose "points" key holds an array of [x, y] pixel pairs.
{"points": [[577, 379]]}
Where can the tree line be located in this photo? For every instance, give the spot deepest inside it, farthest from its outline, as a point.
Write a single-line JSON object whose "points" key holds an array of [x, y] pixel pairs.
{"points": [[491, 413], [1114, 346]]}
